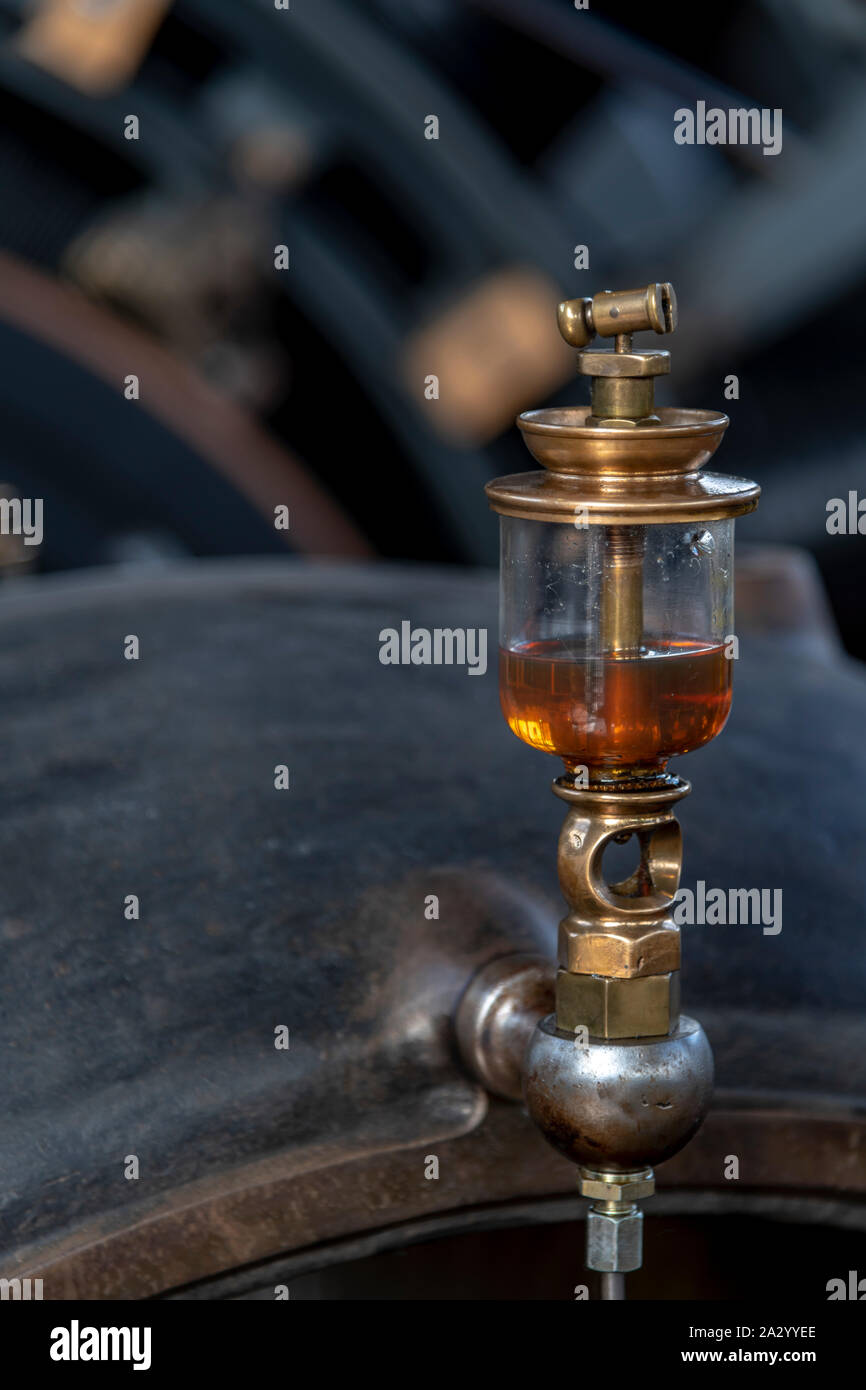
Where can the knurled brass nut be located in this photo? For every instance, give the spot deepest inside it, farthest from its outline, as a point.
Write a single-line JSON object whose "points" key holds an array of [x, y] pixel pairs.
{"points": [[616, 1187]]}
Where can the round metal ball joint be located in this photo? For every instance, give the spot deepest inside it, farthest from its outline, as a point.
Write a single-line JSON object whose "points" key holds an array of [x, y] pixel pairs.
{"points": [[623, 1104]]}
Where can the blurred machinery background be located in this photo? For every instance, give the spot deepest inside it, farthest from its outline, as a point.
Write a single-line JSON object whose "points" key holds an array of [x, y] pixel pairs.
{"points": [[258, 126]]}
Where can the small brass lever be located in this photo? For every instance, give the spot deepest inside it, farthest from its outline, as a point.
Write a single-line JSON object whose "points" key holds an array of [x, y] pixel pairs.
{"points": [[613, 313]]}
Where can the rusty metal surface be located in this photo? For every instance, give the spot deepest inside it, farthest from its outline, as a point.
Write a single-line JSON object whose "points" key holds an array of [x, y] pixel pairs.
{"points": [[299, 1202], [308, 908]]}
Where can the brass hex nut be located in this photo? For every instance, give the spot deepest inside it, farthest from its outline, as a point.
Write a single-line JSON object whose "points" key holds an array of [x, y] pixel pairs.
{"points": [[640, 1007], [634, 948], [616, 1187]]}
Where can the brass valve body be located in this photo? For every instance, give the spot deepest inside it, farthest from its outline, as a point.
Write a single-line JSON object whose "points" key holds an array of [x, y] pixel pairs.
{"points": [[616, 1078], [619, 950]]}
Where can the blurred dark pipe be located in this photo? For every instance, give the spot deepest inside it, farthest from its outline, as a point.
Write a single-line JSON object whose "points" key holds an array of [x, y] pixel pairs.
{"points": [[261, 470], [596, 44]]}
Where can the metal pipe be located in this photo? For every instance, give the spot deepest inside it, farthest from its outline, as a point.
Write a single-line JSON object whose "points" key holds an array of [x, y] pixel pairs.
{"points": [[621, 625]]}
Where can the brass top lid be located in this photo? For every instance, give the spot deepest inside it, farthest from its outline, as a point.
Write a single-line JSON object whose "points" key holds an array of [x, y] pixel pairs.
{"points": [[620, 460]]}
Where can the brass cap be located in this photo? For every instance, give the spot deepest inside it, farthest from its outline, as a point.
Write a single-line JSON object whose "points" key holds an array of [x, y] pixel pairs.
{"points": [[631, 464], [650, 493], [680, 443]]}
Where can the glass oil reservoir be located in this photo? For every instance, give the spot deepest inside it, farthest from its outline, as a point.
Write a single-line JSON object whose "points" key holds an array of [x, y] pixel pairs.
{"points": [[616, 602], [613, 640]]}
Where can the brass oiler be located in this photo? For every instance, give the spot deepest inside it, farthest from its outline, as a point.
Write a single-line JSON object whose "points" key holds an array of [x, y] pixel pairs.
{"points": [[615, 627]]}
